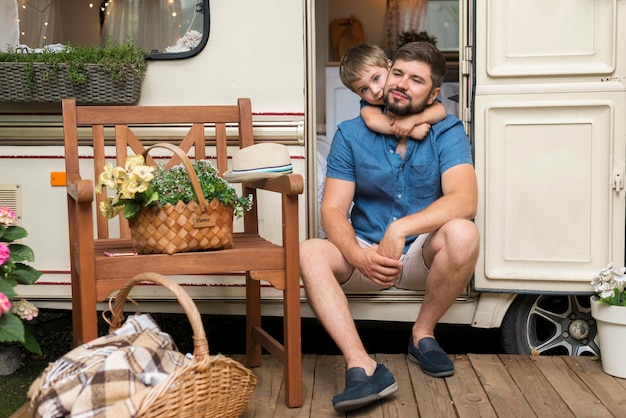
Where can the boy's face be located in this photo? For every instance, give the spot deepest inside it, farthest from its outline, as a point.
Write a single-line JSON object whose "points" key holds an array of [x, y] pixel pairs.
{"points": [[371, 85]]}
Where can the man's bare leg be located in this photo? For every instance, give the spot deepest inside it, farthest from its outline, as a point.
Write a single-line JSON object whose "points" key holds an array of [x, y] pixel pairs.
{"points": [[322, 265], [451, 252]]}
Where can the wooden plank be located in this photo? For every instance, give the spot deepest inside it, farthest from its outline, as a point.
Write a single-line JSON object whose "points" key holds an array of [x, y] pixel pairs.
{"points": [[265, 397], [505, 396], [308, 382], [468, 396], [570, 387], [402, 403], [605, 387], [541, 396], [431, 394], [329, 381]]}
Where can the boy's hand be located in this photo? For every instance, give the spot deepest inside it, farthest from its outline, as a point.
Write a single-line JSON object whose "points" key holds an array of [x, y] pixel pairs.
{"points": [[419, 132], [403, 127]]}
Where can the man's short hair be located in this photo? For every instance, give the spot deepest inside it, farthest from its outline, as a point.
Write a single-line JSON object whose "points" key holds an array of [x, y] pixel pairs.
{"points": [[355, 61], [427, 53]]}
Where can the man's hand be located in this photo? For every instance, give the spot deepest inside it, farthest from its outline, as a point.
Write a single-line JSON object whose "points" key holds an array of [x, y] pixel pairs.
{"points": [[379, 269], [392, 244]]}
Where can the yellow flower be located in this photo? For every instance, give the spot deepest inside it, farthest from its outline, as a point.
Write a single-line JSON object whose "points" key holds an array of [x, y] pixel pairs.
{"points": [[119, 174], [129, 188], [143, 176], [107, 178], [133, 161], [108, 210]]}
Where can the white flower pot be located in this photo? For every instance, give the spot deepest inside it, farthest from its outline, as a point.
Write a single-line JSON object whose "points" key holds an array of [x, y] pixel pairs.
{"points": [[611, 322]]}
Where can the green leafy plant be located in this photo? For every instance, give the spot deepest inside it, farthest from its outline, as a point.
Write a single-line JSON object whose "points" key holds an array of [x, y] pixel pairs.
{"points": [[13, 271], [610, 285], [115, 58], [137, 184], [174, 185]]}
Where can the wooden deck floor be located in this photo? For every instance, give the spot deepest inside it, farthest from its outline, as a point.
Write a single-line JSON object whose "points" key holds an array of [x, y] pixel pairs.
{"points": [[484, 385]]}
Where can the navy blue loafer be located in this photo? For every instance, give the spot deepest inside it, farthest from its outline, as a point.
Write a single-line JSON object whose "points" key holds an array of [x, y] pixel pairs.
{"points": [[362, 389], [431, 358]]}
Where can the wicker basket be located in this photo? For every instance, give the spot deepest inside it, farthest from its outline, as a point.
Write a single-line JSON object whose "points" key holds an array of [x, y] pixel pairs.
{"points": [[50, 86], [193, 226], [211, 386]]}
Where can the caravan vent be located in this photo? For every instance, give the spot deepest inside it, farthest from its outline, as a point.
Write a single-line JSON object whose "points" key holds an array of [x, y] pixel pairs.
{"points": [[11, 196]]}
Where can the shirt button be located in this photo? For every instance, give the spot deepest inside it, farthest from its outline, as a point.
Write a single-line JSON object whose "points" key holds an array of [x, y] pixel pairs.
{"points": [[399, 196], [394, 219], [390, 151]]}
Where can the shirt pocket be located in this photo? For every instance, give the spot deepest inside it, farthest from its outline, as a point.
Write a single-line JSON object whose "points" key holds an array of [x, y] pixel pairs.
{"points": [[425, 181], [374, 182]]}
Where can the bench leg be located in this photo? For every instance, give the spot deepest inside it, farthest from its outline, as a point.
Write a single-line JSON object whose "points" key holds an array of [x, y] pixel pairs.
{"points": [[293, 347], [253, 319], [84, 312]]}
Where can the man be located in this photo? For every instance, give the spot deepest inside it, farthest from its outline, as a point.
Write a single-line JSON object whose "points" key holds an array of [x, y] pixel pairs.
{"points": [[410, 226]]}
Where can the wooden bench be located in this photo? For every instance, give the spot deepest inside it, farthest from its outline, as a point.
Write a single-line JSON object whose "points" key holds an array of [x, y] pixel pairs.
{"points": [[94, 276]]}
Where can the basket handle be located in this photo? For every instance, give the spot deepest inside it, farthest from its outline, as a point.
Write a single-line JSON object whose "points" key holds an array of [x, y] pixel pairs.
{"points": [[200, 342], [188, 166]]}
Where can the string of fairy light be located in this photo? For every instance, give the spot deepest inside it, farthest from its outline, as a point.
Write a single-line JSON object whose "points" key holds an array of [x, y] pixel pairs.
{"points": [[42, 8], [28, 7]]}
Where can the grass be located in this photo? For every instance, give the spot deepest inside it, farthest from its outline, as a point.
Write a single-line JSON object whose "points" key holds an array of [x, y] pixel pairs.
{"points": [[13, 388]]}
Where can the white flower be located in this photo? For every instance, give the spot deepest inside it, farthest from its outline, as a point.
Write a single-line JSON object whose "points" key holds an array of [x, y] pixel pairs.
{"points": [[610, 284]]}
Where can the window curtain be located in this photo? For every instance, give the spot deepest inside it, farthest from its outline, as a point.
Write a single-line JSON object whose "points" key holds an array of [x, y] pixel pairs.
{"points": [[40, 22], [9, 24], [152, 24], [403, 16]]}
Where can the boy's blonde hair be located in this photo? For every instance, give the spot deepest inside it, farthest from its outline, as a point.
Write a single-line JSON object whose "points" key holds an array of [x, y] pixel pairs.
{"points": [[355, 61]]}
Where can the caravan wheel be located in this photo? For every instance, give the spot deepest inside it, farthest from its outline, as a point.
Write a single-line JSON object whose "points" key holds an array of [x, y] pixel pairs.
{"points": [[550, 325]]}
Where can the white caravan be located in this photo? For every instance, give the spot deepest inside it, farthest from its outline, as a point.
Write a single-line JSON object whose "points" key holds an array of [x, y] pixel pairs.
{"points": [[542, 93]]}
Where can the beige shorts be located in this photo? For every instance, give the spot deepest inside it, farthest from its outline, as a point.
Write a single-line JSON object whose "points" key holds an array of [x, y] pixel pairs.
{"points": [[413, 276]]}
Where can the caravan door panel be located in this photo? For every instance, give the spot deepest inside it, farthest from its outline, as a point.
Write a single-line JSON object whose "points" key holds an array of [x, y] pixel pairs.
{"points": [[549, 136], [556, 37], [549, 206]]}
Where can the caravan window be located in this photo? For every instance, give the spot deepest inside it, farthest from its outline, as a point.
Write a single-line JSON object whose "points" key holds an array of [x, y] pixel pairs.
{"points": [[167, 29]]}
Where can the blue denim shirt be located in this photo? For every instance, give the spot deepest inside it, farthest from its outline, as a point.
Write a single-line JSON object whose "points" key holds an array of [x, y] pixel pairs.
{"points": [[388, 187]]}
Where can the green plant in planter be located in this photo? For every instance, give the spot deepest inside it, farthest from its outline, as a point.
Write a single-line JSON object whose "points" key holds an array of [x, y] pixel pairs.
{"points": [[174, 185], [115, 58], [610, 285], [137, 185], [14, 271]]}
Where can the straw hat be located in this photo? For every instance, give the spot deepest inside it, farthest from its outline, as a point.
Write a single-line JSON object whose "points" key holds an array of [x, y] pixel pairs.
{"points": [[259, 161]]}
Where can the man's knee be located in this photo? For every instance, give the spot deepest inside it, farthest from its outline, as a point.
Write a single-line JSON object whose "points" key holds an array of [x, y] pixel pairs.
{"points": [[462, 240], [313, 252], [461, 230], [307, 250]]}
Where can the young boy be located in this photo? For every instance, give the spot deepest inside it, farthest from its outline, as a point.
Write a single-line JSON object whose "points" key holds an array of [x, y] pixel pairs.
{"points": [[363, 69]]}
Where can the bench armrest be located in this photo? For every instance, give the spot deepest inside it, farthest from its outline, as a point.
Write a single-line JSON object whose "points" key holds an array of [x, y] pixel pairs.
{"points": [[288, 184], [80, 190]]}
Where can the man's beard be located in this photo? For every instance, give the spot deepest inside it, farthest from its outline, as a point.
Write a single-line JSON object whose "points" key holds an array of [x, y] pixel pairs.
{"points": [[403, 110]]}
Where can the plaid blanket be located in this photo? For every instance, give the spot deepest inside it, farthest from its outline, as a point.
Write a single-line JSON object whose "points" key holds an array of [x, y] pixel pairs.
{"points": [[109, 376]]}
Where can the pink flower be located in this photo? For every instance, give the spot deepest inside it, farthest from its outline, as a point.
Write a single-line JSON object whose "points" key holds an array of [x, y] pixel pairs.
{"points": [[5, 253], [5, 304], [7, 216], [25, 310]]}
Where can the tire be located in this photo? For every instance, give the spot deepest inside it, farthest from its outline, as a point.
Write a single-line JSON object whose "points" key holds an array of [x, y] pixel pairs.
{"points": [[549, 325]]}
